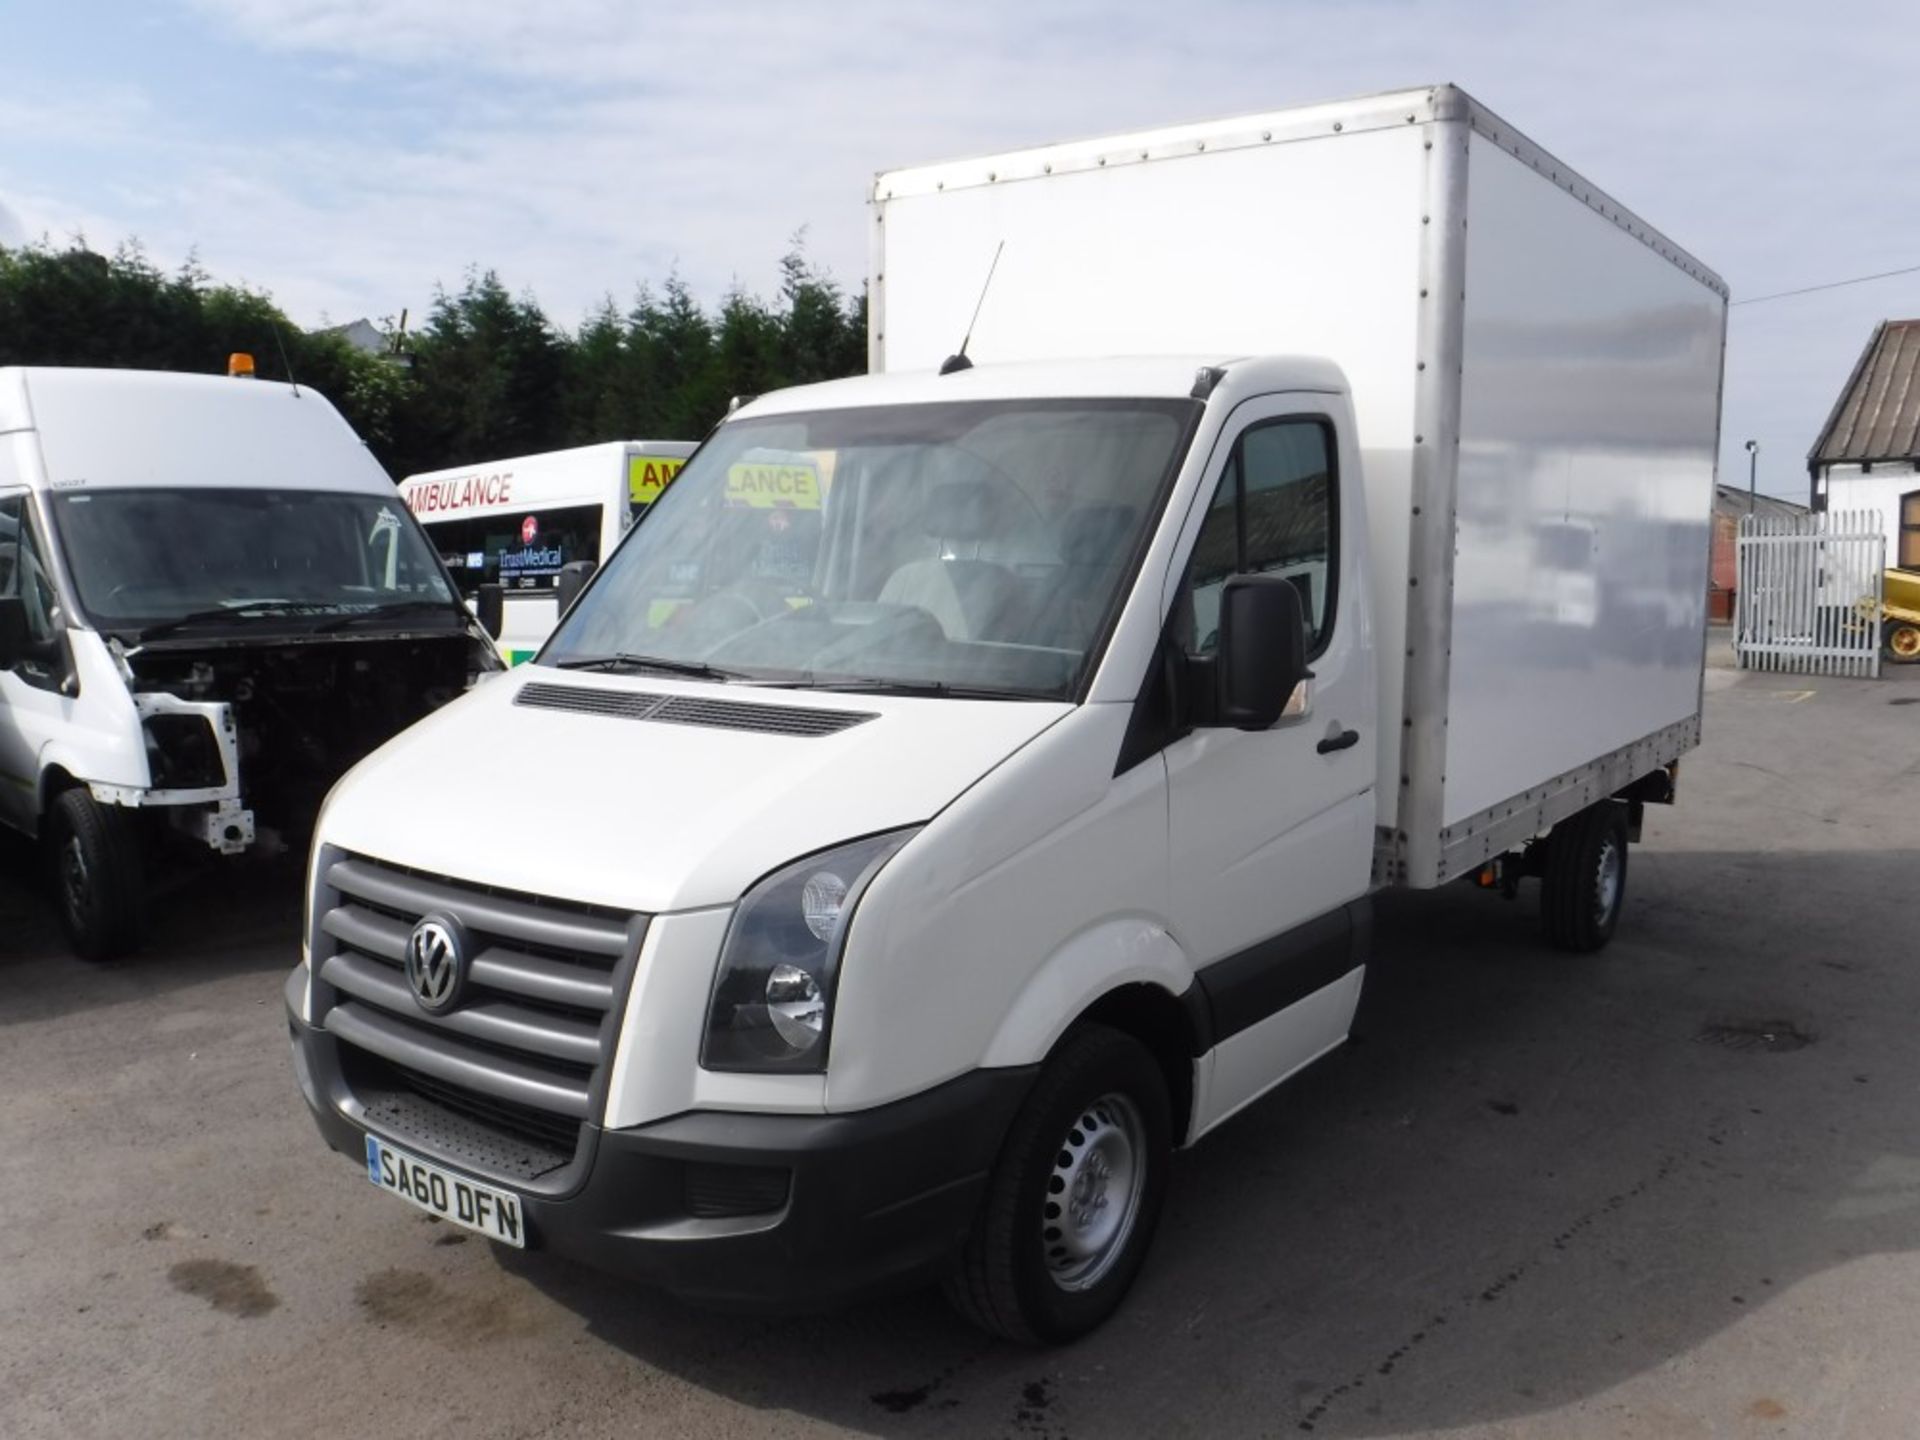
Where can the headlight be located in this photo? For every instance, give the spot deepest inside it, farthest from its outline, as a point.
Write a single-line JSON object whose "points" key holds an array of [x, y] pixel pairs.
{"points": [[182, 753], [773, 992]]}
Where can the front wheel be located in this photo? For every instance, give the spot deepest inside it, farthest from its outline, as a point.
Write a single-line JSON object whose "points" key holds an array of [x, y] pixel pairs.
{"points": [[99, 883], [1900, 642], [1583, 887], [1075, 1196]]}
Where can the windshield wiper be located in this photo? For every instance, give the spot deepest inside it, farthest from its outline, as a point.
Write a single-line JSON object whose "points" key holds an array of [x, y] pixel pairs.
{"points": [[226, 612], [697, 669], [387, 612], [940, 689]]}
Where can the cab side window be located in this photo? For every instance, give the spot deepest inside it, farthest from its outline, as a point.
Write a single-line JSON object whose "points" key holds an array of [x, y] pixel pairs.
{"points": [[24, 577], [1272, 513]]}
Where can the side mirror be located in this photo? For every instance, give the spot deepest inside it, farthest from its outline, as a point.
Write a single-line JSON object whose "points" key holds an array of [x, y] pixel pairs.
{"points": [[1263, 650], [490, 604], [16, 641], [573, 579]]}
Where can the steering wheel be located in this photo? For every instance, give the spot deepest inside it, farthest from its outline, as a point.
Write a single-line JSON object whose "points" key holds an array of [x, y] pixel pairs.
{"points": [[716, 613], [768, 599]]}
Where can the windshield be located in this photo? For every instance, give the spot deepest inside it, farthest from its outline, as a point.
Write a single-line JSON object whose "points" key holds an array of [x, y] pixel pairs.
{"points": [[971, 546], [145, 557]]}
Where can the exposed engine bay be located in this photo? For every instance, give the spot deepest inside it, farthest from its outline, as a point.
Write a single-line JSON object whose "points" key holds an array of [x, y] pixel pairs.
{"points": [[290, 716]]}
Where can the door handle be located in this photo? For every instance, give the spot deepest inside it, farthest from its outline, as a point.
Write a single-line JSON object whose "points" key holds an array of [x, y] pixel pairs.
{"points": [[1338, 739]]}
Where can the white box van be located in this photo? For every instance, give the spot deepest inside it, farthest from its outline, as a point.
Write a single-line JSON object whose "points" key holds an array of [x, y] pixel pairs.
{"points": [[212, 603], [518, 523], [914, 878]]}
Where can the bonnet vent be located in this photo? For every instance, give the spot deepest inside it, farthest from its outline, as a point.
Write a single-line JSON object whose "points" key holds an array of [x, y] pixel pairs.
{"points": [[690, 710]]}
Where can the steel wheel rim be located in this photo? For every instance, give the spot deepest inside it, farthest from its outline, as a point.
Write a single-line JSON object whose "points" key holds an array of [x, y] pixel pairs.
{"points": [[76, 883], [1905, 641], [1606, 880], [1093, 1194]]}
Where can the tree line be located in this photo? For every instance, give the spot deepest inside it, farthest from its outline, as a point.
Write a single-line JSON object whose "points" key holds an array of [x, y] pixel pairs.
{"points": [[487, 374]]}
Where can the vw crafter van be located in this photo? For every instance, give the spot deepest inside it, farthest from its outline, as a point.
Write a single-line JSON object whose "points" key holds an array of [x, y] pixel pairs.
{"points": [[212, 603], [917, 872]]}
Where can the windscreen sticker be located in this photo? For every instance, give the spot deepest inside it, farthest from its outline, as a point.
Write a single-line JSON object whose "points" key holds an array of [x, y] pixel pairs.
{"points": [[773, 487]]}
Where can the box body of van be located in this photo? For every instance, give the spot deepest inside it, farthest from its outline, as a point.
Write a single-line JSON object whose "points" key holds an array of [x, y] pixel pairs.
{"points": [[926, 874], [212, 603], [1535, 373], [517, 523]]}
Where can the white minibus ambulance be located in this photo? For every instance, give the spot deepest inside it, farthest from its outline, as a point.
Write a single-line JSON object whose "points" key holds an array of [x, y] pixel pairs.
{"points": [[1328, 511], [518, 523]]}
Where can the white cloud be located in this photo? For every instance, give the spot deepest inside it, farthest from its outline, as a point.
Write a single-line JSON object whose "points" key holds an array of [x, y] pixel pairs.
{"points": [[582, 146]]}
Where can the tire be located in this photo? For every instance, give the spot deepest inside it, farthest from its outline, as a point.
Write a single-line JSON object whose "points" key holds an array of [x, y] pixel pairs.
{"points": [[1900, 642], [99, 883], [1093, 1145], [1583, 885]]}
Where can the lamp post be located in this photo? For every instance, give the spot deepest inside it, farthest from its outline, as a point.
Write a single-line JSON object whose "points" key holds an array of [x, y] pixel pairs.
{"points": [[1753, 469]]}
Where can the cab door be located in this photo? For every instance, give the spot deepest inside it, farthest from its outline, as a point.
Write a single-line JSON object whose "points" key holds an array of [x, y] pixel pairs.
{"points": [[1272, 831], [32, 708]]}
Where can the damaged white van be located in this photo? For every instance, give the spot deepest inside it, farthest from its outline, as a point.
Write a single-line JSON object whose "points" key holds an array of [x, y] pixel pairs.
{"points": [[212, 602], [916, 871]]}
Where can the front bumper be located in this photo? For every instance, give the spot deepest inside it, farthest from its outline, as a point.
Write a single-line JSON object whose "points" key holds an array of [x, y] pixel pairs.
{"points": [[875, 1201]]}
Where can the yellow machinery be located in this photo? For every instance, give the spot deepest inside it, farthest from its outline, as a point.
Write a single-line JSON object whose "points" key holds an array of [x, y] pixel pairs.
{"points": [[1900, 617]]}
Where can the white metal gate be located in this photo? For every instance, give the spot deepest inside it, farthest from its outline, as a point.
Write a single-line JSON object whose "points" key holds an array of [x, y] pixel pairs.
{"points": [[1809, 593]]}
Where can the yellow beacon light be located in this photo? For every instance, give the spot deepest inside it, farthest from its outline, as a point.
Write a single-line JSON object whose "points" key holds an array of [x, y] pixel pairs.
{"points": [[240, 365]]}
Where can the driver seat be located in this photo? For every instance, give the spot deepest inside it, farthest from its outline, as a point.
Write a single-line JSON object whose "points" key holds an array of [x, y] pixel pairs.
{"points": [[969, 598]]}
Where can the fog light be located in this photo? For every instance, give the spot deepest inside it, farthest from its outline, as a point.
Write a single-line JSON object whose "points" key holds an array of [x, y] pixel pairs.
{"points": [[716, 1192], [795, 1006]]}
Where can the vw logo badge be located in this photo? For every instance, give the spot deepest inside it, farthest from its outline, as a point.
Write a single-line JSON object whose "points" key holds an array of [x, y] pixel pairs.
{"points": [[436, 963]]}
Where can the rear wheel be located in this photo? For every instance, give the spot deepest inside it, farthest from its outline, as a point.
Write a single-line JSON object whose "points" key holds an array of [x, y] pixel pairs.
{"points": [[99, 883], [1900, 642], [1074, 1198], [1583, 884]]}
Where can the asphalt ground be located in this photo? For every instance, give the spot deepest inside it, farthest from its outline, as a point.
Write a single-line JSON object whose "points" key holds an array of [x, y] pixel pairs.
{"points": [[1670, 1191]]}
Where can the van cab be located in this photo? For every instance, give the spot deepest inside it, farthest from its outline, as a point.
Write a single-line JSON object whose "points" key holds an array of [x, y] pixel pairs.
{"points": [[212, 603]]}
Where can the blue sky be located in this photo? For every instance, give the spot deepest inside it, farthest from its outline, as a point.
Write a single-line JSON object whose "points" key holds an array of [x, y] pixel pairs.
{"points": [[348, 154]]}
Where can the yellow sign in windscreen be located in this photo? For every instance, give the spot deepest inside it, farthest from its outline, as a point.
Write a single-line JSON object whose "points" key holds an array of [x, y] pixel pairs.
{"points": [[763, 485], [648, 475]]}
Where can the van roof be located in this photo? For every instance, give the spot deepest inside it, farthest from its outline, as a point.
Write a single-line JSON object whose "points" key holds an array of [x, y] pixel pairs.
{"points": [[1118, 377], [121, 429]]}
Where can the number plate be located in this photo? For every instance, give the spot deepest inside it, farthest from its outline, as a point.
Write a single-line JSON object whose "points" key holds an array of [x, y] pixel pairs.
{"points": [[494, 1213]]}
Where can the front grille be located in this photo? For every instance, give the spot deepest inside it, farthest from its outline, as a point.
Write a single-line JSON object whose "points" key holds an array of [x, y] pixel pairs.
{"points": [[502, 1082], [796, 720]]}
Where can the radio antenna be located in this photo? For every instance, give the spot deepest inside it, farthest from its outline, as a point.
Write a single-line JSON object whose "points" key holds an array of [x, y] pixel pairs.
{"points": [[285, 363], [958, 360]]}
